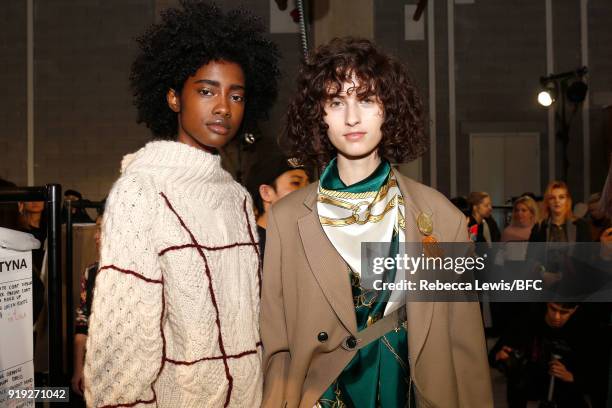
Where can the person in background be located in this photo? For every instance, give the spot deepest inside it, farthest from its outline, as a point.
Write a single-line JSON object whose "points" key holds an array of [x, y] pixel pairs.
{"points": [[481, 221], [82, 315], [524, 217], [539, 346], [558, 223], [79, 215], [271, 179], [32, 219], [483, 230], [596, 217]]}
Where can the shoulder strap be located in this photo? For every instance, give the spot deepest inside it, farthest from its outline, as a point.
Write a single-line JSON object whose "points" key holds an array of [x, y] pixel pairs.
{"points": [[392, 321]]}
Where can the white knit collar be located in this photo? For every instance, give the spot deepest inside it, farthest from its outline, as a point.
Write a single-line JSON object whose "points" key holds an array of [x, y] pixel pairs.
{"points": [[175, 161]]}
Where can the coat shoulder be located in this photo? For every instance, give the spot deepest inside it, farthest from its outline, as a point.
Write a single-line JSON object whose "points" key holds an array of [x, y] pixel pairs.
{"points": [[435, 200], [293, 205]]}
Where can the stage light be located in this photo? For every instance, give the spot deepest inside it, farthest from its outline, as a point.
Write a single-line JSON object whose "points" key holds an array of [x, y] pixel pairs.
{"points": [[545, 98], [548, 94], [568, 85]]}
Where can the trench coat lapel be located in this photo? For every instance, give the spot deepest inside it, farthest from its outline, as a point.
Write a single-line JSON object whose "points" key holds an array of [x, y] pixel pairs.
{"points": [[327, 265], [418, 314]]}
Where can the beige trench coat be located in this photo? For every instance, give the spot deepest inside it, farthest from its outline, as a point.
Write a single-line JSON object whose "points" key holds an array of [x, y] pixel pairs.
{"points": [[306, 297]]}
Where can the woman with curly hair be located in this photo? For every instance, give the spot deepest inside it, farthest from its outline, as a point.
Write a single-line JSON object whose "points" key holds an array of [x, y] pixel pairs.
{"points": [[175, 315], [357, 111]]}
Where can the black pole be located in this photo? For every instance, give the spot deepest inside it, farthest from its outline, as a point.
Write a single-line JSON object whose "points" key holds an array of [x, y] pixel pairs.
{"points": [[69, 299], [54, 294], [564, 130]]}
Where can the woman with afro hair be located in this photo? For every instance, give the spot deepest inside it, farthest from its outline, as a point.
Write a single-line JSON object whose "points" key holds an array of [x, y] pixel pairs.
{"points": [[175, 316], [330, 339]]}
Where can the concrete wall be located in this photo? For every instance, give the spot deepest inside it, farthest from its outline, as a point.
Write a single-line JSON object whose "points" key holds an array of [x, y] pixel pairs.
{"points": [[13, 106], [84, 119]]}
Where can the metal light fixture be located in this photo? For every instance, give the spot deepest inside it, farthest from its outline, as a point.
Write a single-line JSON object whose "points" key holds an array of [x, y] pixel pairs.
{"points": [[548, 94], [576, 91], [566, 84], [570, 90]]}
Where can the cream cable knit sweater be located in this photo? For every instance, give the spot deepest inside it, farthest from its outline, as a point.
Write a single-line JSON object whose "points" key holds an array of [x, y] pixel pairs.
{"points": [[175, 315]]}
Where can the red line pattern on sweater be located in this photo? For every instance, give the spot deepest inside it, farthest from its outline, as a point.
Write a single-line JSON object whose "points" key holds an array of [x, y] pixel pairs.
{"points": [[128, 272], [208, 248], [195, 245], [200, 248], [132, 404], [234, 356]]}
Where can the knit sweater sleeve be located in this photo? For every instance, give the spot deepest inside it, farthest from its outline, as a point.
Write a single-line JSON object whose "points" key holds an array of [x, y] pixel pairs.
{"points": [[125, 344]]}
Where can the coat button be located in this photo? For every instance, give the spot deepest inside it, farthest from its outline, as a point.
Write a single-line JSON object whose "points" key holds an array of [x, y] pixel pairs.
{"points": [[351, 342], [322, 337]]}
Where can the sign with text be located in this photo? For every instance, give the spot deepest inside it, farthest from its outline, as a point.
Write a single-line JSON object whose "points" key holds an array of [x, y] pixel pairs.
{"points": [[16, 353]]}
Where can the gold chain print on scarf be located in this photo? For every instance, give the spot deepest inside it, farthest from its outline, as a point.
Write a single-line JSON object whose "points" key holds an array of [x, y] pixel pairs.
{"points": [[337, 403], [365, 297], [354, 218]]}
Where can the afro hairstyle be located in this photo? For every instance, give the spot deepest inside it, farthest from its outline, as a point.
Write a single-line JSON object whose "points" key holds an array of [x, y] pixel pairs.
{"points": [[188, 38]]}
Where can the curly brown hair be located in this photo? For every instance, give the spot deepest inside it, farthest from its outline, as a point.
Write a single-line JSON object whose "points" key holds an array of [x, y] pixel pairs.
{"points": [[379, 74]]}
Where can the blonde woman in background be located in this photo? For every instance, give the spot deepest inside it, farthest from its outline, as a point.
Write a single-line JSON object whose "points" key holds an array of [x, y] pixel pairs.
{"points": [[524, 217], [558, 223]]}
